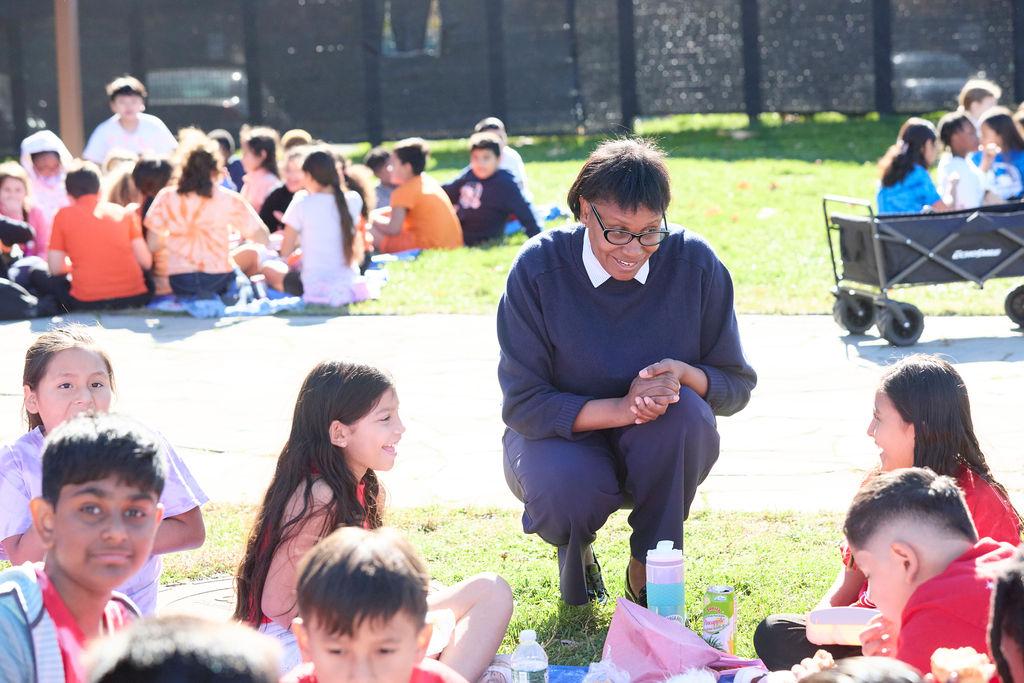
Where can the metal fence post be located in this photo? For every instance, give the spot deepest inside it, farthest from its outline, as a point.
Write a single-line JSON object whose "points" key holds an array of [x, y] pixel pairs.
{"points": [[496, 57], [371, 71], [251, 46], [627, 64], [750, 22], [881, 14], [19, 107], [1018, 51]]}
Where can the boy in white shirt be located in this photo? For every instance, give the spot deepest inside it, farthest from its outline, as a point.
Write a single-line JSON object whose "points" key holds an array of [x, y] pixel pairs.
{"points": [[129, 128], [960, 182]]}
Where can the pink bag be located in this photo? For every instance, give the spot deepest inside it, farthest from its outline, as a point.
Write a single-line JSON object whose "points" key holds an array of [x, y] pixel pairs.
{"points": [[652, 648]]}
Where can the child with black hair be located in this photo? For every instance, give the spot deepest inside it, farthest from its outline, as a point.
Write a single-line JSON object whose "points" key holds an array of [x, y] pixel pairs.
{"points": [[130, 128], [281, 196], [358, 589], [509, 159], [346, 427], [921, 418], [905, 186], [1006, 624], [485, 196], [227, 150], [97, 516], [420, 215], [104, 244], [929, 573], [259, 159], [66, 374], [150, 175], [377, 159], [183, 648], [1001, 157], [960, 181]]}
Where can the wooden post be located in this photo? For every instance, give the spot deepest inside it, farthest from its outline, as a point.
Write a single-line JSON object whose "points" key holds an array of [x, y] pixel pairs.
{"points": [[882, 23], [627, 64], [750, 22], [69, 75]]}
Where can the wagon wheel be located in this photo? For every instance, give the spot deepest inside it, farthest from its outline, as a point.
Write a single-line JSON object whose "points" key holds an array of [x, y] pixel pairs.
{"points": [[854, 313], [1015, 306], [896, 332]]}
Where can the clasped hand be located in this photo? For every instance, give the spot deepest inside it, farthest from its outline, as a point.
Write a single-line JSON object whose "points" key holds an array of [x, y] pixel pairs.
{"points": [[654, 389]]}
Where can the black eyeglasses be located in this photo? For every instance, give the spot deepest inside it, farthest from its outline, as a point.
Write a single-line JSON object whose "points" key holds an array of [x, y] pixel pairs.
{"points": [[621, 236]]}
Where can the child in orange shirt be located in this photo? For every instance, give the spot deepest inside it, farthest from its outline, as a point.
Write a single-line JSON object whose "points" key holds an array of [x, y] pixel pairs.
{"points": [[420, 216], [104, 244]]}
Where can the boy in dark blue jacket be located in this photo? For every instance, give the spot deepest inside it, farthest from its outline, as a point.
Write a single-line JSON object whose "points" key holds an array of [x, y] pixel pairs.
{"points": [[484, 197]]}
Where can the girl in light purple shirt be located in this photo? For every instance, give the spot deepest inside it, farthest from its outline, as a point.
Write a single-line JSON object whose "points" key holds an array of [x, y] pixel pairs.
{"points": [[66, 374]]}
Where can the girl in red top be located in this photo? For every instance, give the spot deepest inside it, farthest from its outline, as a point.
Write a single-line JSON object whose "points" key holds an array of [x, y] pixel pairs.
{"points": [[921, 418], [346, 426]]}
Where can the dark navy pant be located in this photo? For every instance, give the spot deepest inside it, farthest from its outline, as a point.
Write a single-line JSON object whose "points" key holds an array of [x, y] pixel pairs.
{"points": [[571, 487]]}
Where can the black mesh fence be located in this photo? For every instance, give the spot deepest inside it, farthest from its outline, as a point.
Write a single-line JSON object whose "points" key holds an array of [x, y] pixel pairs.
{"points": [[351, 70]]}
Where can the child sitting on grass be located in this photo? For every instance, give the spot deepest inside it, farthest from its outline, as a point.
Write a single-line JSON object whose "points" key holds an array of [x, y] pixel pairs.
{"points": [[921, 418], [280, 197], [929, 573], [485, 196], [345, 427], [66, 374], [511, 161], [1001, 157], [364, 593], [377, 160], [45, 158], [977, 97], [420, 215], [150, 175], [96, 517], [104, 244], [183, 649], [259, 159], [129, 129], [960, 181], [906, 186], [16, 203], [1006, 624]]}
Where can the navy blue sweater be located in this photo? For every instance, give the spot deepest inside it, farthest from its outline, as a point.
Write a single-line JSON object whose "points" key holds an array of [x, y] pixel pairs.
{"points": [[565, 342], [483, 206]]}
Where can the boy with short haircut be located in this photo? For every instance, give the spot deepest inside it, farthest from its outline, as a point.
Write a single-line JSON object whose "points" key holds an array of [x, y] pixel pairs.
{"points": [[362, 592], [130, 128], [960, 181], [105, 244], [97, 517], [928, 573], [485, 195], [977, 97], [511, 161], [377, 160], [184, 648], [1006, 625], [420, 215]]}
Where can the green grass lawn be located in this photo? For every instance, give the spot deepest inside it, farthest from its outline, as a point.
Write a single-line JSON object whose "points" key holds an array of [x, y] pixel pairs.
{"points": [[777, 563], [754, 193]]}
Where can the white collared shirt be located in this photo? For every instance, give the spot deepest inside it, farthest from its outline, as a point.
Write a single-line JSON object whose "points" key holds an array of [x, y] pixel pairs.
{"points": [[596, 272]]}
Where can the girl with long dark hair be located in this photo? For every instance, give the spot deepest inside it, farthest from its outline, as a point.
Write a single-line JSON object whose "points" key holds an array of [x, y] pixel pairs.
{"points": [[906, 186], [1001, 154], [921, 418], [345, 427]]}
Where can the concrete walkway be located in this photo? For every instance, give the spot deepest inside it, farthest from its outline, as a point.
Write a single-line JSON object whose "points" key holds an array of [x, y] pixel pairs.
{"points": [[223, 392]]}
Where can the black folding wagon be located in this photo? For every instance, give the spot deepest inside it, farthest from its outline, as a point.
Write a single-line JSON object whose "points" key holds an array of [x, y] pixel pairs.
{"points": [[879, 253]]}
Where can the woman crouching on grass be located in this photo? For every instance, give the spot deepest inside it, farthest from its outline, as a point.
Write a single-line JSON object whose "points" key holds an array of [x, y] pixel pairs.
{"points": [[345, 427]]}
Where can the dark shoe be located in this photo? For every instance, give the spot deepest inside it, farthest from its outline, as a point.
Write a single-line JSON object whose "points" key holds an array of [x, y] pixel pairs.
{"points": [[596, 592], [640, 597]]}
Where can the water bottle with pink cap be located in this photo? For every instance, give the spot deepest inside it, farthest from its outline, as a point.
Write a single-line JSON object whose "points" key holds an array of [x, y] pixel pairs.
{"points": [[665, 588]]}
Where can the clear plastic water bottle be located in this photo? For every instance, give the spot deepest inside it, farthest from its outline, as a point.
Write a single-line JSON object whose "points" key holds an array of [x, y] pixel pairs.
{"points": [[529, 661], [665, 584]]}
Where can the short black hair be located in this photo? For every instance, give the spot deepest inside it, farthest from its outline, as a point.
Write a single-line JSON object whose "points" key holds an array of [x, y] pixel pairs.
{"points": [[125, 85], [1007, 613], [376, 157], [413, 151], [183, 649], [83, 177], [915, 492], [867, 670], [950, 124], [91, 447], [225, 139], [486, 141], [354, 575], [629, 172]]}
